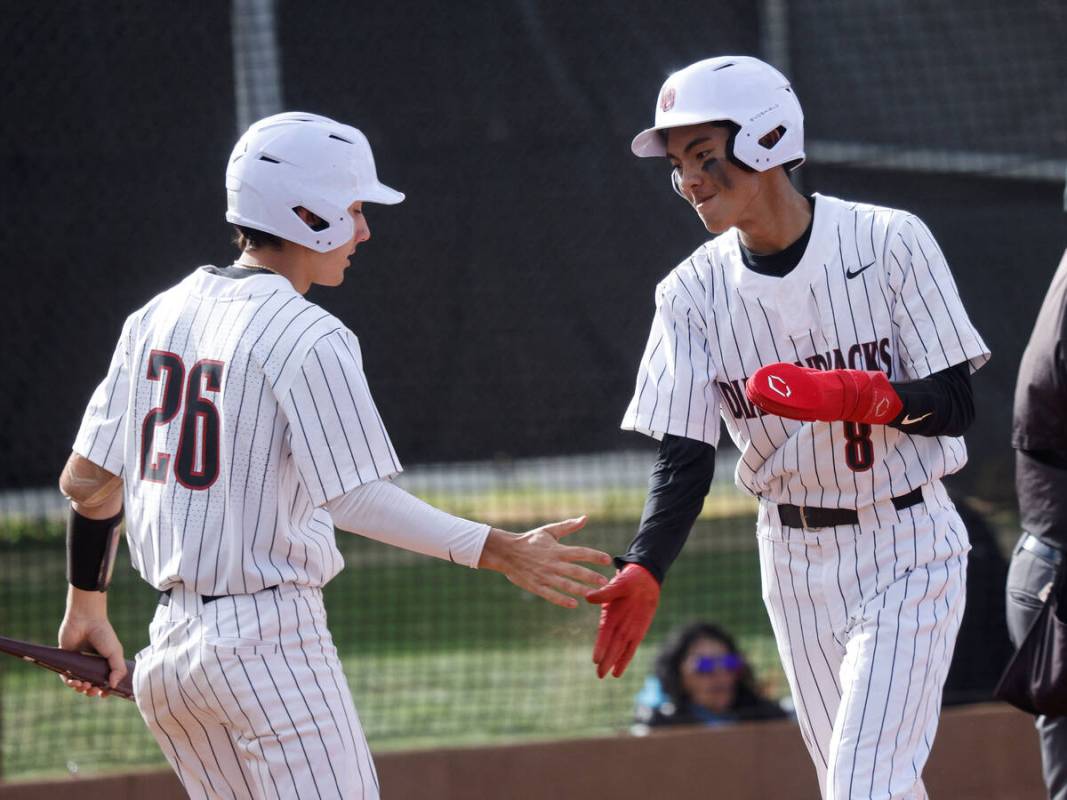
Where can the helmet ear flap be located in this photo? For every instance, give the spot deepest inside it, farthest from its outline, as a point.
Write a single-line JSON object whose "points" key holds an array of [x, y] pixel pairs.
{"points": [[734, 129]]}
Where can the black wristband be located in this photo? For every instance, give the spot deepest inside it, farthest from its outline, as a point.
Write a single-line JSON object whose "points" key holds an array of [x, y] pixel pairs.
{"points": [[91, 546]]}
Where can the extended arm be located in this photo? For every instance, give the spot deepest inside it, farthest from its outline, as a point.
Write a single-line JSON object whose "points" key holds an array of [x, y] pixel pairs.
{"points": [[679, 483], [677, 487], [534, 561]]}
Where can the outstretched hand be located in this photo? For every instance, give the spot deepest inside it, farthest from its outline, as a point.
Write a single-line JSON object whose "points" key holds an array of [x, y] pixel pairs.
{"points": [[628, 605], [537, 562]]}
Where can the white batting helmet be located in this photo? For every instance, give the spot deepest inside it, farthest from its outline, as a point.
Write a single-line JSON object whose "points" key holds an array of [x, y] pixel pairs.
{"points": [[739, 89], [295, 159]]}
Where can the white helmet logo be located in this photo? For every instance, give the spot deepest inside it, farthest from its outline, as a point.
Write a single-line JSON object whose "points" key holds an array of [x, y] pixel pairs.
{"points": [[778, 385], [667, 102]]}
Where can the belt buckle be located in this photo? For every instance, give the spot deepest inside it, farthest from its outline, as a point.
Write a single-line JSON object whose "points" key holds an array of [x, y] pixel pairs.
{"points": [[804, 520], [1043, 551]]}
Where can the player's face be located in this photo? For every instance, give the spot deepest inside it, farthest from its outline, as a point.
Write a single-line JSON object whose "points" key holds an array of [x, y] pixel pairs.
{"points": [[328, 269], [719, 190], [709, 674]]}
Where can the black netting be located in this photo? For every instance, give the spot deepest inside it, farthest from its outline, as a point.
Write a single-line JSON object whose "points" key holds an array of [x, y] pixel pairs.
{"points": [[502, 309], [978, 86]]}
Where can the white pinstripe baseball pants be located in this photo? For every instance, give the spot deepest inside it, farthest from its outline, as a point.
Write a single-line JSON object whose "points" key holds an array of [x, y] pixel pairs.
{"points": [[247, 699], [866, 618]]}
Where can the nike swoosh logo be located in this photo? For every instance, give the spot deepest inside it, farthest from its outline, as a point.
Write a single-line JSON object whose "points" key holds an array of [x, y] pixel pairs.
{"points": [[909, 421], [850, 274]]}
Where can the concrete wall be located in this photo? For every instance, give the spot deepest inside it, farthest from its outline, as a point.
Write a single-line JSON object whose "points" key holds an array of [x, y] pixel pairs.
{"points": [[986, 752]]}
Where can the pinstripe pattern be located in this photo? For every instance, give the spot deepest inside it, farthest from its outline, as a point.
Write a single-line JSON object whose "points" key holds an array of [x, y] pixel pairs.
{"points": [[865, 616], [246, 696], [866, 655], [297, 421], [717, 322]]}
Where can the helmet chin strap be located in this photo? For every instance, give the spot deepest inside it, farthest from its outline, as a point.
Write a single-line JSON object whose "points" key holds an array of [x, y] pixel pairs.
{"points": [[675, 180]]}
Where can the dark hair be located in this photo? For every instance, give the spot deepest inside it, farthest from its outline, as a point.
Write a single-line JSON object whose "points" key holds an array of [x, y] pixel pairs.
{"points": [[250, 239], [668, 666]]}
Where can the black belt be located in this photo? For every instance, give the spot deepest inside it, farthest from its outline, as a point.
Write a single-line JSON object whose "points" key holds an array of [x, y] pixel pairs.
{"points": [[810, 518], [164, 596], [1046, 552]]}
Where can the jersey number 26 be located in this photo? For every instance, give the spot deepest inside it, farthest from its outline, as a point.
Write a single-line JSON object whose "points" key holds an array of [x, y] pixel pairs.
{"points": [[197, 463]]}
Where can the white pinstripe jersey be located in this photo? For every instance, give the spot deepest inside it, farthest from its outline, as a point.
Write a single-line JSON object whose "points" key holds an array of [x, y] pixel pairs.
{"points": [[872, 291], [234, 409]]}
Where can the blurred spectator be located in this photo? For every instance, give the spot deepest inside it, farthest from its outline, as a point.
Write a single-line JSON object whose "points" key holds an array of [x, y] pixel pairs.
{"points": [[701, 678]]}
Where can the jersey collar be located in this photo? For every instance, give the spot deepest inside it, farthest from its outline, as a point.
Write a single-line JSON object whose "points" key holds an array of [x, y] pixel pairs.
{"points": [[804, 274], [206, 283]]}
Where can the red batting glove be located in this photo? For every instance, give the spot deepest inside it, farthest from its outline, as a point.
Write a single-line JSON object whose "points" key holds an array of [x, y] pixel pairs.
{"points": [[848, 395], [628, 604]]}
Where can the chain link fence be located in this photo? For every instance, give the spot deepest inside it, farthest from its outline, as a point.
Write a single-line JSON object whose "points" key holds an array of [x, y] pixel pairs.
{"points": [[502, 308]]}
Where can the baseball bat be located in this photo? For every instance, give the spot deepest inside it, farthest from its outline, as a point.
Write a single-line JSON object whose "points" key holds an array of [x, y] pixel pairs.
{"points": [[88, 667]]}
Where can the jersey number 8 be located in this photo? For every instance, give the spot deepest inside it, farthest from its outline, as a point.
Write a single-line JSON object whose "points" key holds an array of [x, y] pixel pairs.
{"points": [[197, 463], [859, 450]]}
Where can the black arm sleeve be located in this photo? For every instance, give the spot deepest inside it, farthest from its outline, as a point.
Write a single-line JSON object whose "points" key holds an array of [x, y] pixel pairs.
{"points": [[940, 405], [676, 491]]}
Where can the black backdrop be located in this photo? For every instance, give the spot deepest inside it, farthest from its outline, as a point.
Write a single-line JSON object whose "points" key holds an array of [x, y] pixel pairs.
{"points": [[503, 307]]}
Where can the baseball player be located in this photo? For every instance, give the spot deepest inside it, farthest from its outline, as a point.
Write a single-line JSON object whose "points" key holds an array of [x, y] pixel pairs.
{"points": [[830, 337], [235, 429], [1039, 436]]}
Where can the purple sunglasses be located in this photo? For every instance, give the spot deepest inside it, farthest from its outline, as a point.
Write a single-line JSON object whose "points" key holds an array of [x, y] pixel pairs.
{"points": [[707, 665]]}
